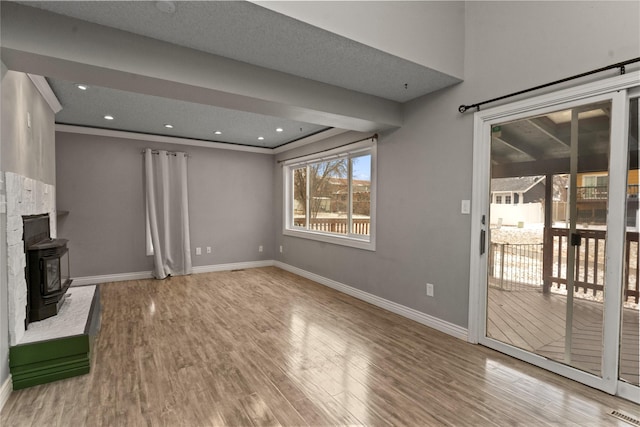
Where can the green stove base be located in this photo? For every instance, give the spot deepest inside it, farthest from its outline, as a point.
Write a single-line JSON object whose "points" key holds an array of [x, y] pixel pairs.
{"points": [[55, 359]]}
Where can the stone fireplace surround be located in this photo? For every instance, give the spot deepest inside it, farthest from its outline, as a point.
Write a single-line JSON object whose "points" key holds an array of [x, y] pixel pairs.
{"points": [[25, 196]]}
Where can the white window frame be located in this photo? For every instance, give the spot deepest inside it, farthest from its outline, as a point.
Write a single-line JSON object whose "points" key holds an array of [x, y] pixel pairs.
{"points": [[353, 240]]}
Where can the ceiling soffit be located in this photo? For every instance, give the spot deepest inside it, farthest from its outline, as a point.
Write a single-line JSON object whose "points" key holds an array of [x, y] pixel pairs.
{"points": [[253, 34], [68, 49], [230, 66]]}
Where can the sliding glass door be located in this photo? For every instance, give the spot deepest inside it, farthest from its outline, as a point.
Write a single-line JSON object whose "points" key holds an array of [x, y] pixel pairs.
{"points": [[547, 239], [629, 374], [556, 223]]}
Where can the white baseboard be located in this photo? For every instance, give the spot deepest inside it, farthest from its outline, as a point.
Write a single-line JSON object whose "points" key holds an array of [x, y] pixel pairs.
{"points": [[140, 275], [119, 277], [409, 313], [5, 391], [233, 266]]}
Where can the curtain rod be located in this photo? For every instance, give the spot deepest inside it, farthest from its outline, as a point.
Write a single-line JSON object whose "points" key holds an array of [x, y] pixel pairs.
{"points": [[463, 108], [171, 153], [374, 136]]}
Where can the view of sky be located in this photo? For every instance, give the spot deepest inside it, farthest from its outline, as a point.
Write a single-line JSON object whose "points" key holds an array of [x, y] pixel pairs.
{"points": [[362, 167]]}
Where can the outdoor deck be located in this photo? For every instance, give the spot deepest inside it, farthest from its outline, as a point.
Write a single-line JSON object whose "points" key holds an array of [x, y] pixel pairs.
{"points": [[531, 320]]}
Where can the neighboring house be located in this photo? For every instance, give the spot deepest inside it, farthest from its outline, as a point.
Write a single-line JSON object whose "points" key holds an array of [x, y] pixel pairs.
{"points": [[335, 197], [512, 191], [517, 201], [593, 194], [338, 188], [591, 198]]}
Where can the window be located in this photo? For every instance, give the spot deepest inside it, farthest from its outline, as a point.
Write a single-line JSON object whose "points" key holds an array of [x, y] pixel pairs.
{"points": [[499, 200], [331, 196], [595, 181], [507, 200]]}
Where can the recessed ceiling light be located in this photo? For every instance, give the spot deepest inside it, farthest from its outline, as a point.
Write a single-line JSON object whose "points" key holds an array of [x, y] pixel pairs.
{"points": [[260, 138], [82, 87], [166, 6], [218, 132], [279, 130], [168, 126], [107, 117]]}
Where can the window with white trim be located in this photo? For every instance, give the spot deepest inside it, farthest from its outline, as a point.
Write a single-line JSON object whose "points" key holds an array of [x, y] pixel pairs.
{"points": [[330, 196]]}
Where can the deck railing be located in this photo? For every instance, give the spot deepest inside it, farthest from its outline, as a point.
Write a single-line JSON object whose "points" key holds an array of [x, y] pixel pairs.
{"points": [[601, 192], [515, 267], [521, 266], [336, 225]]}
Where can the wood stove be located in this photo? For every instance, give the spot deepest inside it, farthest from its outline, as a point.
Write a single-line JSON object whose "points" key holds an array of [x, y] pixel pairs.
{"points": [[47, 270]]}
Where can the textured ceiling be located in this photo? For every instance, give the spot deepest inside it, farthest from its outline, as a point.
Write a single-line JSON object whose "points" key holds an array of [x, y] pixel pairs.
{"points": [[249, 33], [245, 32], [148, 114]]}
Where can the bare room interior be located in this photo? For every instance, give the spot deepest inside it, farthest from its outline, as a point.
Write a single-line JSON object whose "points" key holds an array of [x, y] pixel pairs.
{"points": [[242, 213]]}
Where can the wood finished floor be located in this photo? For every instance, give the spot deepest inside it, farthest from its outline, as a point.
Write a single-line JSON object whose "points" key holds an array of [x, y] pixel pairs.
{"points": [[528, 319], [266, 347]]}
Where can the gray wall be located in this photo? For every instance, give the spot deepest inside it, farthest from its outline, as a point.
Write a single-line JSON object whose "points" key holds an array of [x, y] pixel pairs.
{"points": [[26, 151], [424, 168], [100, 183]]}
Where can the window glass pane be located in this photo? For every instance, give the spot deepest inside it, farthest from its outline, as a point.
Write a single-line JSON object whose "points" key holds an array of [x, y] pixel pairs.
{"points": [[329, 196], [300, 197], [361, 194], [53, 275], [629, 362]]}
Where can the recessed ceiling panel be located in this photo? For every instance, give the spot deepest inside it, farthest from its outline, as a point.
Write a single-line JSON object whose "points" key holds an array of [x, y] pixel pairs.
{"points": [[150, 114]]}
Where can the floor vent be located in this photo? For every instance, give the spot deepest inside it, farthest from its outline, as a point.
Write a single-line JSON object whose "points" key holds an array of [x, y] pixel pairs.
{"points": [[624, 417]]}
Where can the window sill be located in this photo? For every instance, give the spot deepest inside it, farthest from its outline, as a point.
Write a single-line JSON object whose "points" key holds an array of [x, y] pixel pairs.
{"points": [[334, 239]]}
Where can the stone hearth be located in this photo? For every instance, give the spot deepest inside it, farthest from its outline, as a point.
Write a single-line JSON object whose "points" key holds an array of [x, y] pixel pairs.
{"points": [[25, 196]]}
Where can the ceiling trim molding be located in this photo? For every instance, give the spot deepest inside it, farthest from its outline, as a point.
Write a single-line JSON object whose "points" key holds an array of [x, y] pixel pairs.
{"points": [[47, 93], [308, 140], [160, 138]]}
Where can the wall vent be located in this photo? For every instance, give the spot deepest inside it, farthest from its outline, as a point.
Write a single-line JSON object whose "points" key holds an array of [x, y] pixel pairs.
{"points": [[625, 417]]}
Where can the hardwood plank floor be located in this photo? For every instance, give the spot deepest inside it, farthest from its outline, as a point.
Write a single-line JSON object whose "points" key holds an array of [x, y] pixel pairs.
{"points": [[535, 322], [266, 347]]}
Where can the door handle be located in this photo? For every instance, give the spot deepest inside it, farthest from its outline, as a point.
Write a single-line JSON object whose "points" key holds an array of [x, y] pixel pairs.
{"points": [[483, 237], [576, 239]]}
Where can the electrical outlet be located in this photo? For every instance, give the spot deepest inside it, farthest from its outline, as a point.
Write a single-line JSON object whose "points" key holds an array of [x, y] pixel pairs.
{"points": [[429, 289], [208, 249], [280, 248], [198, 251], [260, 248]]}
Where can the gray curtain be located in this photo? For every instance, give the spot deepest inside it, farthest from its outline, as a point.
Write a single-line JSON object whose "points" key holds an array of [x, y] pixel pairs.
{"points": [[168, 212]]}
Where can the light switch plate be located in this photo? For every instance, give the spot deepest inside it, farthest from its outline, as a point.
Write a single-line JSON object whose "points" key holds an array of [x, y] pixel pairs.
{"points": [[465, 207]]}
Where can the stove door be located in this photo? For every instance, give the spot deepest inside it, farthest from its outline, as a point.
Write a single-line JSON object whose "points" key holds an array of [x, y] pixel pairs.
{"points": [[51, 275]]}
